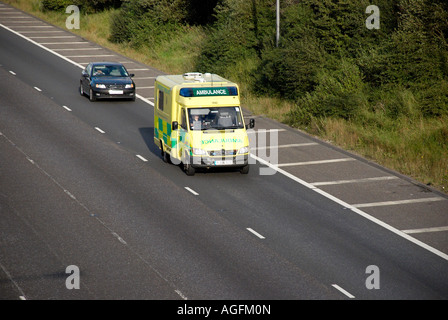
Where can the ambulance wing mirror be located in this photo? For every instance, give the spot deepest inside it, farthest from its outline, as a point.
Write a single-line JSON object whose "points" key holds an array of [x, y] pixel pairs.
{"points": [[174, 125], [251, 124]]}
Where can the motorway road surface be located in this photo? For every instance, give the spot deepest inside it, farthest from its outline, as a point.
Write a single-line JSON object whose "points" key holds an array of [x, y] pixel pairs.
{"points": [[82, 184]]}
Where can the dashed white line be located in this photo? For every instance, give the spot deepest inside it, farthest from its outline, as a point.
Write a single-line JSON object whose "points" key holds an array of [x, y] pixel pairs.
{"points": [[38, 89], [99, 130], [141, 158], [67, 108], [255, 233], [348, 294], [181, 294], [119, 238], [192, 191], [391, 203], [13, 73]]}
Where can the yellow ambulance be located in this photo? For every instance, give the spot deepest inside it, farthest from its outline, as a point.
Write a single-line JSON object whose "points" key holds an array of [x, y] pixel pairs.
{"points": [[198, 122]]}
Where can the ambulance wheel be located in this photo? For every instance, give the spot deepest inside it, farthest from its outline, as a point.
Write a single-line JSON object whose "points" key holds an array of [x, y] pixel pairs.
{"points": [[189, 170], [245, 169], [165, 156]]}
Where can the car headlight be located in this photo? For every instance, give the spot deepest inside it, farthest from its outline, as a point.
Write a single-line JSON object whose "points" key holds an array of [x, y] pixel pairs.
{"points": [[129, 86], [199, 152], [243, 150], [100, 86]]}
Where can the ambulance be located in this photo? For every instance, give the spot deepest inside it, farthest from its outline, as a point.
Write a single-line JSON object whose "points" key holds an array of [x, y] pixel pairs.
{"points": [[199, 124]]}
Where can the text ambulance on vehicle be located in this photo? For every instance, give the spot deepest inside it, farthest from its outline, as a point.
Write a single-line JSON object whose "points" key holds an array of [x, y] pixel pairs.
{"points": [[198, 122]]}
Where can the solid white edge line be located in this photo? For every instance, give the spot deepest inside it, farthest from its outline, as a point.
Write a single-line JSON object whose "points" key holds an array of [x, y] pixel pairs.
{"points": [[348, 294], [192, 191], [354, 209], [41, 46], [255, 233]]}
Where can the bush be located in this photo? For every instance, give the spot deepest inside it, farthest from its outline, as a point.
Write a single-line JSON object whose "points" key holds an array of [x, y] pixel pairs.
{"points": [[86, 5]]}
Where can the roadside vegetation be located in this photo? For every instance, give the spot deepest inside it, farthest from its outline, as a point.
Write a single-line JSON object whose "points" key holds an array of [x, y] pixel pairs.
{"points": [[381, 93]]}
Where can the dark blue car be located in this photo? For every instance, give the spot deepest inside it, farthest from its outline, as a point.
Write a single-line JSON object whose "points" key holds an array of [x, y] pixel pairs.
{"points": [[107, 80]]}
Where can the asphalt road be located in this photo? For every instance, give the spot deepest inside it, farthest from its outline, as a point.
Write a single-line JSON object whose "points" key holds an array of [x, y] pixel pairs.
{"points": [[82, 184]]}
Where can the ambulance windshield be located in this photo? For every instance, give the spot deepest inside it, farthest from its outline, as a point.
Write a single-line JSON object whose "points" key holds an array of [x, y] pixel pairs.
{"points": [[219, 118]]}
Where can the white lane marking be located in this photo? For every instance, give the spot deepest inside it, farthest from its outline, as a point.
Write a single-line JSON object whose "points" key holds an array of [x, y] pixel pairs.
{"points": [[76, 49], [326, 183], [92, 56], [119, 238], [99, 130], [67, 108], [352, 208], [66, 42], [192, 191], [57, 31], [141, 158], [286, 145], [22, 298], [143, 78], [180, 294], [22, 294], [391, 203], [48, 37], [348, 294], [306, 163], [13, 73], [255, 233], [43, 47], [33, 26], [423, 230], [145, 87], [38, 89], [265, 130]]}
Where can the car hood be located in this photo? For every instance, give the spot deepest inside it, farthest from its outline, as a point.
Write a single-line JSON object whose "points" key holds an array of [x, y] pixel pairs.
{"points": [[112, 80]]}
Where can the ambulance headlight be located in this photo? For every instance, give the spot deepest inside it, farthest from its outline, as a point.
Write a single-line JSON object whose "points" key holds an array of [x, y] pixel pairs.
{"points": [[199, 152], [243, 150]]}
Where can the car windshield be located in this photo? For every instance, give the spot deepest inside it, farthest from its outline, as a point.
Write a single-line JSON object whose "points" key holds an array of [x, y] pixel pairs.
{"points": [[215, 118], [109, 71]]}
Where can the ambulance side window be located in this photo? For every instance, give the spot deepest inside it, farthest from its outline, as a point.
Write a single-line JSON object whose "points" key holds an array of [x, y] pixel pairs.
{"points": [[161, 100], [183, 120]]}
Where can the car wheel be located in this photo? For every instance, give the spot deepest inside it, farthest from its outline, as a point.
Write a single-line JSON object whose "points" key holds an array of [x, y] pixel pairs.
{"points": [[92, 96], [81, 90]]}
